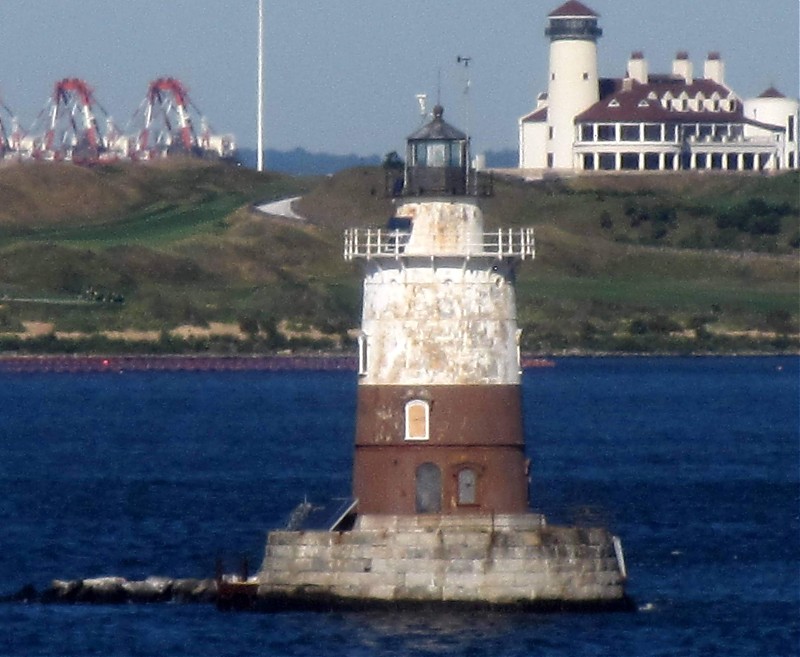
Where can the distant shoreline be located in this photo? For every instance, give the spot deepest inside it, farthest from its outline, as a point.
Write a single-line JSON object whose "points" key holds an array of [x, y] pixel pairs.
{"points": [[173, 363], [269, 363], [178, 363]]}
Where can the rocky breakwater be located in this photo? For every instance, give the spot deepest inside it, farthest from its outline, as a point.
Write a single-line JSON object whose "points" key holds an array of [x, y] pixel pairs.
{"points": [[118, 590]]}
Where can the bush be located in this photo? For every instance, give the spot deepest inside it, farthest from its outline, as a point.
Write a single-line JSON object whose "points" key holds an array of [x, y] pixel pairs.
{"points": [[658, 324], [393, 161], [770, 225], [779, 321], [658, 232], [8, 322], [249, 325], [756, 216]]}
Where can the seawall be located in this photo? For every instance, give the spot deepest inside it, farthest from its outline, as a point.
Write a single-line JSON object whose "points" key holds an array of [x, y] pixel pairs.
{"points": [[487, 561]]}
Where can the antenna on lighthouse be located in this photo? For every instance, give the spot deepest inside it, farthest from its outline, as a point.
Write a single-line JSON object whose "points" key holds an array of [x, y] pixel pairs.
{"points": [[260, 119], [465, 61]]}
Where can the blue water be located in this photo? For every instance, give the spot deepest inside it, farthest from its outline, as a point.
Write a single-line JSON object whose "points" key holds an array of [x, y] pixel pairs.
{"points": [[693, 462]]}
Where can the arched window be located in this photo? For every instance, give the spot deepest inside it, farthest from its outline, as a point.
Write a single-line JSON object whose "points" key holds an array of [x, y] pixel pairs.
{"points": [[467, 485], [417, 420]]}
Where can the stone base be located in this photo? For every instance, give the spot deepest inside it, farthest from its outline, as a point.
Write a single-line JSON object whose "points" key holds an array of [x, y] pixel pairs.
{"points": [[488, 561]]}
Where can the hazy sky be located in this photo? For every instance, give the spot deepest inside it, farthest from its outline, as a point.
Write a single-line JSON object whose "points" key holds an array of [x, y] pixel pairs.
{"points": [[342, 75]]}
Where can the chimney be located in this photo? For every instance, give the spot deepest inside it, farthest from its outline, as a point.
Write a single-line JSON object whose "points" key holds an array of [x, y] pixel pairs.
{"points": [[637, 67], [682, 67], [714, 68]]}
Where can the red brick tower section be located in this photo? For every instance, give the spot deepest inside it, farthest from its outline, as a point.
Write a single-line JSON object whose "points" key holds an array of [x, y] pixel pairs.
{"points": [[439, 420]]}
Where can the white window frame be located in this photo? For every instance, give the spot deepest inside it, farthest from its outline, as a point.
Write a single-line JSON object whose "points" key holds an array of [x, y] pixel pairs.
{"points": [[363, 356], [410, 406]]}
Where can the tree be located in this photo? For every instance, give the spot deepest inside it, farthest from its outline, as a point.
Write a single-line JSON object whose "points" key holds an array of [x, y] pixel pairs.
{"points": [[393, 161]]}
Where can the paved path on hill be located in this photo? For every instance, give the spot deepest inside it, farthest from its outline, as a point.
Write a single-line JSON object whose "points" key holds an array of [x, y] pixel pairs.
{"points": [[282, 208]]}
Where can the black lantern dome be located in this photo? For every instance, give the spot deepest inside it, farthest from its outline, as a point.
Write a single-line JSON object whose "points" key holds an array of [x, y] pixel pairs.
{"points": [[437, 159]]}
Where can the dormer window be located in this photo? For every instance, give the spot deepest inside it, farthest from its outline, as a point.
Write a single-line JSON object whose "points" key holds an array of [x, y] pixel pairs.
{"points": [[643, 103], [614, 103]]}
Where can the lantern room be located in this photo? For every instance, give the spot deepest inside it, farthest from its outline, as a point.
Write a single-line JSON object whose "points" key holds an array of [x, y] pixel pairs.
{"points": [[437, 159]]}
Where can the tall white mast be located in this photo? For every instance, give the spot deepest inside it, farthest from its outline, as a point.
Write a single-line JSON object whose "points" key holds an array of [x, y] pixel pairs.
{"points": [[260, 122]]}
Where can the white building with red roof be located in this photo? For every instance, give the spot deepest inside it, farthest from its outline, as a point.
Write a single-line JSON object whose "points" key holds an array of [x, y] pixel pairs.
{"points": [[644, 121]]}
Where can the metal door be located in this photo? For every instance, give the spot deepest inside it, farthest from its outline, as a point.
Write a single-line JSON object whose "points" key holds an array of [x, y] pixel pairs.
{"points": [[429, 488], [466, 486]]}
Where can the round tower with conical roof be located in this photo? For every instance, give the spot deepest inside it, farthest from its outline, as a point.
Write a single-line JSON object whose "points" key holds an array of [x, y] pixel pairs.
{"points": [[573, 83], [773, 108]]}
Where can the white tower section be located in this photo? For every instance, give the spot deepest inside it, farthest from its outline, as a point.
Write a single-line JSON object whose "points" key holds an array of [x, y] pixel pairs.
{"points": [[773, 108], [573, 84], [439, 302]]}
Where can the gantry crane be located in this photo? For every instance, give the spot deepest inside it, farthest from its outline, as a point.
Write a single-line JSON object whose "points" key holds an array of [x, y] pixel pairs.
{"points": [[71, 128]]}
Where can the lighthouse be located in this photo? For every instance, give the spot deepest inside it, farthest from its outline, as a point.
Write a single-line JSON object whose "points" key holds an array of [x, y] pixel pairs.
{"points": [[440, 511], [439, 423], [572, 82]]}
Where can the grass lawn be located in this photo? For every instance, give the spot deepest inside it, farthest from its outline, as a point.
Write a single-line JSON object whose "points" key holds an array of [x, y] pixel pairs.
{"points": [[180, 243]]}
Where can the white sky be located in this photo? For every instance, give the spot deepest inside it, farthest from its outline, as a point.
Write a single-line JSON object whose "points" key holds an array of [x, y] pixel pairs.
{"points": [[342, 75]]}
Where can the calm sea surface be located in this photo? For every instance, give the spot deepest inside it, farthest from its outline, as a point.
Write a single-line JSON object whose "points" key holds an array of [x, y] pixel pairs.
{"points": [[693, 462]]}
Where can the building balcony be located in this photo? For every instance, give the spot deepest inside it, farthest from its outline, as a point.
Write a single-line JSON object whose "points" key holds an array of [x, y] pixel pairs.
{"points": [[369, 243]]}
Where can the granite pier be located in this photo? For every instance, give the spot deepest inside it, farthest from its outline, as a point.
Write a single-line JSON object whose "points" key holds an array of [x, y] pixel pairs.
{"points": [[505, 561]]}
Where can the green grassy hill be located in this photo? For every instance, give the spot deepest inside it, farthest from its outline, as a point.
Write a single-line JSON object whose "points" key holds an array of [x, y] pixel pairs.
{"points": [[171, 256]]}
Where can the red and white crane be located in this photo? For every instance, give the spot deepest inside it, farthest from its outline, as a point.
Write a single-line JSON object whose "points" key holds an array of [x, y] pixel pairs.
{"points": [[74, 126], [164, 124], [70, 125], [10, 133]]}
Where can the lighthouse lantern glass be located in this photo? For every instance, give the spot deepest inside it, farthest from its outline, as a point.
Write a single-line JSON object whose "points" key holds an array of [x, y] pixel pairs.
{"points": [[438, 154]]}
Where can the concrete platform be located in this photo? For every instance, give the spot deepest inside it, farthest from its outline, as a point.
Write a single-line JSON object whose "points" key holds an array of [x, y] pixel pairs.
{"points": [[487, 561]]}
